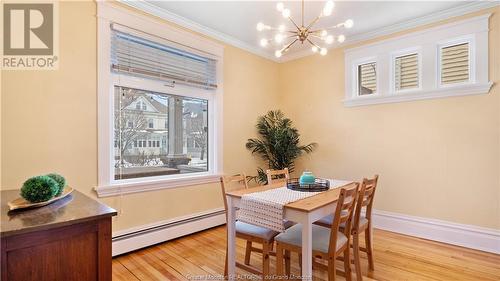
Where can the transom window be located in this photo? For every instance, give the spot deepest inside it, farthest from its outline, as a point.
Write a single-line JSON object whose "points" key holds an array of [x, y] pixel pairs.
{"points": [[448, 60], [406, 72], [367, 79], [455, 64]]}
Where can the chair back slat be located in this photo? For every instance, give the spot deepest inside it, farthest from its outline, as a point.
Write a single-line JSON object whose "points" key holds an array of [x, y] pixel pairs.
{"points": [[343, 213], [275, 176], [232, 183], [365, 199]]}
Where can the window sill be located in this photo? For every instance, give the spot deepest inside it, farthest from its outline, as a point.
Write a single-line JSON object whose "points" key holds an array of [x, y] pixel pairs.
{"points": [[449, 91], [135, 187]]}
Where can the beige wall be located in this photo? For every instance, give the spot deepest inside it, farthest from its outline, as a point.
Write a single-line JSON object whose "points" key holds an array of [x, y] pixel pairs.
{"points": [[436, 158], [49, 122]]}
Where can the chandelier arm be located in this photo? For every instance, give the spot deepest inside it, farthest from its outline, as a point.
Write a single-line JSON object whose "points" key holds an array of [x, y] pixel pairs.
{"points": [[336, 26], [290, 18], [313, 22], [312, 43], [316, 36], [288, 46], [272, 42]]}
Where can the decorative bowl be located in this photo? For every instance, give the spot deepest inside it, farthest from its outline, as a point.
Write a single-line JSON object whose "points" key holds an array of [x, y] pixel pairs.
{"points": [[307, 178]]}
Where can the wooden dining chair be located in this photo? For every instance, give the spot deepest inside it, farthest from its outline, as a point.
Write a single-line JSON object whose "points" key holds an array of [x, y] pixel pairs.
{"points": [[327, 243], [275, 176], [249, 232], [360, 224]]}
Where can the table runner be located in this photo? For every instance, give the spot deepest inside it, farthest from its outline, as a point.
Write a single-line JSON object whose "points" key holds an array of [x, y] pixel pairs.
{"points": [[265, 208]]}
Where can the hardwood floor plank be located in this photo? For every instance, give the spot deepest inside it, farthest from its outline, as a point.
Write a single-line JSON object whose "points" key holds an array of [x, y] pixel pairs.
{"points": [[397, 257], [120, 272]]}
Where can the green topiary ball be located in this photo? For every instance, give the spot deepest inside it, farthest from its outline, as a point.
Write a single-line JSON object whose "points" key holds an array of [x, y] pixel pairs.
{"points": [[39, 189], [61, 182]]}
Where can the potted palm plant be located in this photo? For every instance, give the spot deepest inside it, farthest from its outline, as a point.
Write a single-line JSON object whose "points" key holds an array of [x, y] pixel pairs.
{"points": [[278, 143]]}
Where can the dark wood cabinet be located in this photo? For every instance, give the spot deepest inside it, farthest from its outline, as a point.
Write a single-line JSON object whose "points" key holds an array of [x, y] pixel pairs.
{"points": [[67, 240]]}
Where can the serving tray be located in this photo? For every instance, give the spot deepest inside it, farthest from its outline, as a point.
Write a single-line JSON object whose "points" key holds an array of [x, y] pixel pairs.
{"points": [[21, 203], [318, 185]]}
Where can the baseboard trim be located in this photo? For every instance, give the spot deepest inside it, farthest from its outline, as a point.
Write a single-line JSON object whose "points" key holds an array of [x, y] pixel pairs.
{"points": [[139, 237], [469, 236]]}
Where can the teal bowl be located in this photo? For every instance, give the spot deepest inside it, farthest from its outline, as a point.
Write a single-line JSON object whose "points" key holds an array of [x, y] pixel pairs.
{"points": [[307, 178]]}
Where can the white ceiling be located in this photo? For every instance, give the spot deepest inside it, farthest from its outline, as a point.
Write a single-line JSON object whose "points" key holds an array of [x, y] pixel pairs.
{"points": [[235, 21]]}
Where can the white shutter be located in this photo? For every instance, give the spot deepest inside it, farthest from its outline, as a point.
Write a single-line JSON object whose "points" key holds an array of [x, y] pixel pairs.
{"points": [[133, 55], [367, 79], [406, 72], [455, 64]]}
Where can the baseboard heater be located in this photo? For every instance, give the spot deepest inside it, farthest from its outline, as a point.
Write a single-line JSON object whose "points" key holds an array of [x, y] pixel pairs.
{"points": [[164, 231]]}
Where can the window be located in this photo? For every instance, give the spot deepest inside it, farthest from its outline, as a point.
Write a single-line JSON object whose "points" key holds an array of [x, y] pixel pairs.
{"points": [[183, 108], [158, 87], [367, 79], [189, 122], [406, 72], [443, 61], [454, 62]]}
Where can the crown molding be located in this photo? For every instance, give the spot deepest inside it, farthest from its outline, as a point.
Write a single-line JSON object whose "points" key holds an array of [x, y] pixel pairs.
{"points": [[164, 14], [405, 25], [149, 8]]}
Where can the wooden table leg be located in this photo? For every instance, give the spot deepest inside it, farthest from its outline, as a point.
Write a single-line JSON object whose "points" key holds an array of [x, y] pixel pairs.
{"points": [[307, 249], [231, 239]]}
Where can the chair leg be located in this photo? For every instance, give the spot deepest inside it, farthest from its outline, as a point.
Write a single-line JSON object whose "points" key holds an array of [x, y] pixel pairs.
{"points": [[265, 260], [279, 260], [357, 265], [248, 252], [347, 262], [369, 247], [287, 262], [225, 267], [332, 271]]}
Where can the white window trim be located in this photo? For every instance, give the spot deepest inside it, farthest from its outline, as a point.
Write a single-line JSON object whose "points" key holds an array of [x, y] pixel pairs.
{"points": [[107, 14], [392, 75], [428, 43]]}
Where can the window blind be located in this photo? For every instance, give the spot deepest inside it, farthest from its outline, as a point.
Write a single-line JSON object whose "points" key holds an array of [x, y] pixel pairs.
{"points": [[455, 64], [367, 76], [133, 55], [406, 72]]}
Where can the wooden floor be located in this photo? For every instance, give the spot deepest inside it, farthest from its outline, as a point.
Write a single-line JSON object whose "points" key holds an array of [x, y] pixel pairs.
{"points": [[397, 257]]}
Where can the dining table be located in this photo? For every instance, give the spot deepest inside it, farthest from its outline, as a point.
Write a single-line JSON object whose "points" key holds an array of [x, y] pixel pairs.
{"points": [[304, 211]]}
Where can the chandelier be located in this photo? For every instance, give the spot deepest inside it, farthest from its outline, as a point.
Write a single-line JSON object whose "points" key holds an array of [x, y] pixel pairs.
{"points": [[303, 33]]}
